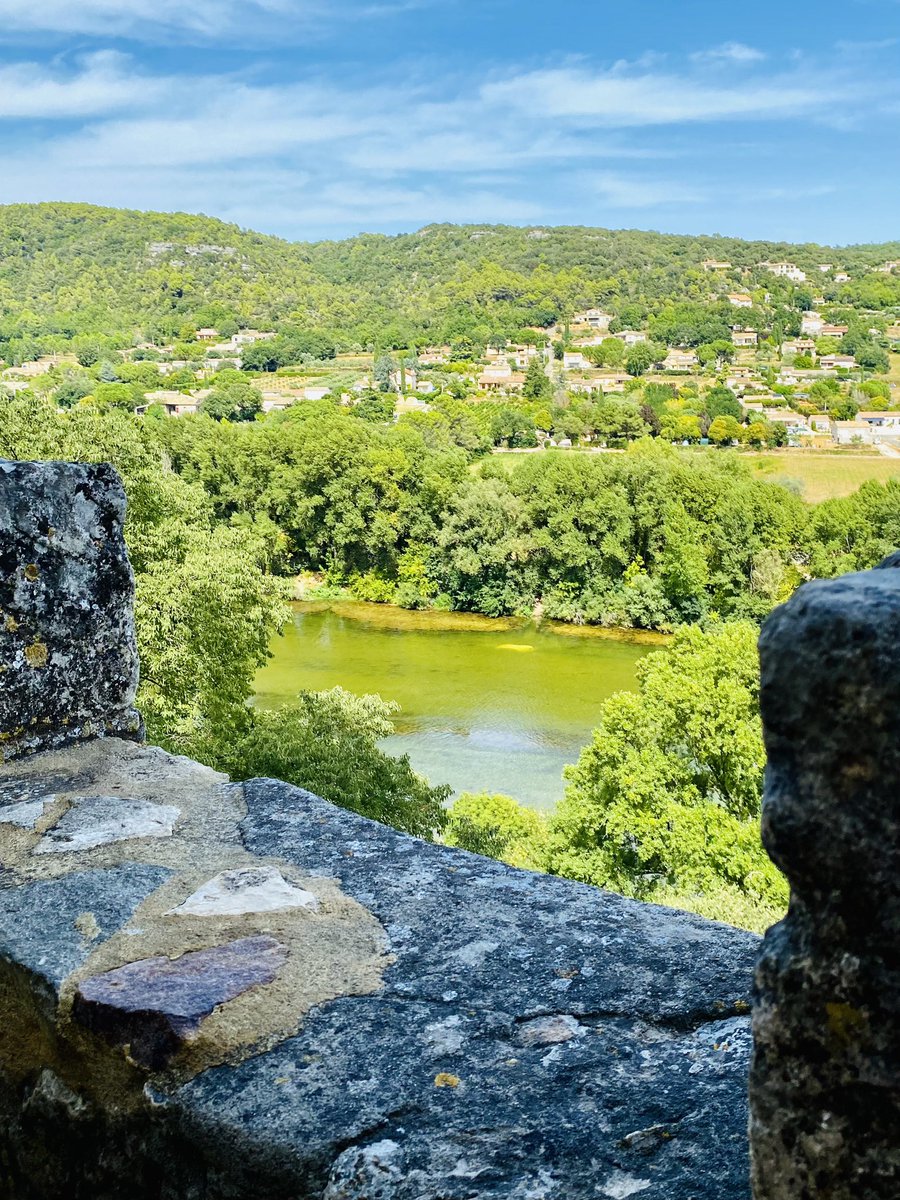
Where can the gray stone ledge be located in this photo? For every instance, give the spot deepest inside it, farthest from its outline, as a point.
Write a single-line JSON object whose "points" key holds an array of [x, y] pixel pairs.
{"points": [[434, 1026]]}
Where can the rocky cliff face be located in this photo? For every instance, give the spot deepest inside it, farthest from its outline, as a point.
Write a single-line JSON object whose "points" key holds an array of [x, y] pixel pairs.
{"points": [[211, 991]]}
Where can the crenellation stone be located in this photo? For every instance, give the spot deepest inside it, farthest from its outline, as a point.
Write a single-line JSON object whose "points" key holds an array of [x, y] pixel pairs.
{"points": [[67, 644], [825, 1081]]}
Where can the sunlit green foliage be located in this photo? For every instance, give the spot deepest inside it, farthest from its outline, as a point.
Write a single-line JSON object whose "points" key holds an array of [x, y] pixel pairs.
{"points": [[94, 280], [326, 742], [665, 801], [498, 827]]}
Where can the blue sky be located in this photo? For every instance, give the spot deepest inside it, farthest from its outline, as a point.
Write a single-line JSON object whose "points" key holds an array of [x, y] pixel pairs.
{"points": [[311, 119]]}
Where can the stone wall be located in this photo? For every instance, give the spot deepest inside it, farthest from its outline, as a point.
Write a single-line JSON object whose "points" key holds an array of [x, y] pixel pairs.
{"points": [[68, 660], [825, 1085], [211, 991]]}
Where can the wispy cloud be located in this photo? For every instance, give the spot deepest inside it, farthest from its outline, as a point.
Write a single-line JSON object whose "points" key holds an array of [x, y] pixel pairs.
{"points": [[100, 84], [609, 99], [292, 151], [730, 52], [204, 20]]}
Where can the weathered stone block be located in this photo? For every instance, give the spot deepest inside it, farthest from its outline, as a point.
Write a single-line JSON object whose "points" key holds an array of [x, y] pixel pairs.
{"points": [[825, 1084], [68, 659], [283, 999], [155, 1005]]}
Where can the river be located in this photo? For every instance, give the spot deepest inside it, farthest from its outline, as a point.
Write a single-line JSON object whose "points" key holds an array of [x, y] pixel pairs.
{"points": [[486, 705]]}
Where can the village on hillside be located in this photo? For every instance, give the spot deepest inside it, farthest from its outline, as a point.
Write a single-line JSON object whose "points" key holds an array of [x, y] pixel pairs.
{"points": [[816, 374]]}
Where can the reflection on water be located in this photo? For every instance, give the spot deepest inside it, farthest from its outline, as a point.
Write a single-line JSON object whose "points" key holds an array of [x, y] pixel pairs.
{"points": [[486, 705]]}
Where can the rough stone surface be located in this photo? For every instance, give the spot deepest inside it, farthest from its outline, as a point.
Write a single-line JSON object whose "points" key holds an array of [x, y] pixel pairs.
{"points": [[156, 1004], [440, 1026], [245, 890], [825, 1089], [26, 813], [39, 921], [98, 820], [67, 649]]}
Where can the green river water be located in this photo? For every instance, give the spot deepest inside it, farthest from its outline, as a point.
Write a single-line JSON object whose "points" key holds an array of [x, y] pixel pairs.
{"points": [[486, 705]]}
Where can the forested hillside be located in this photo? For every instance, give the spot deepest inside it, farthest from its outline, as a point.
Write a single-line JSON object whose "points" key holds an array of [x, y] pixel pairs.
{"points": [[70, 270]]}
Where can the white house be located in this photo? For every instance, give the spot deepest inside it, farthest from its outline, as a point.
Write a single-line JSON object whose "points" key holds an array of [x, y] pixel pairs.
{"points": [[870, 427], [798, 346], [847, 432], [497, 370], [744, 337], [595, 317], [176, 404], [276, 401], [680, 360], [785, 270], [631, 337], [812, 324], [247, 337], [880, 420], [740, 300], [574, 360]]}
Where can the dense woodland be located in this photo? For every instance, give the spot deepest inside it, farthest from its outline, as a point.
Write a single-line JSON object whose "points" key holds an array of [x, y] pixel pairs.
{"points": [[227, 506]]}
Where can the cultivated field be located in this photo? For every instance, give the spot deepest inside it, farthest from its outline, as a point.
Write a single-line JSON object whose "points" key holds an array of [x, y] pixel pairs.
{"points": [[815, 475], [823, 475]]}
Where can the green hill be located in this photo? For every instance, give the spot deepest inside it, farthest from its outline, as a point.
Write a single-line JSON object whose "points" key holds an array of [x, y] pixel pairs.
{"points": [[70, 270]]}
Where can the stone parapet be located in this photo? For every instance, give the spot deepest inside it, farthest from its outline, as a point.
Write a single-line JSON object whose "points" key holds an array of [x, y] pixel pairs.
{"points": [[68, 659], [244, 991], [825, 1086]]}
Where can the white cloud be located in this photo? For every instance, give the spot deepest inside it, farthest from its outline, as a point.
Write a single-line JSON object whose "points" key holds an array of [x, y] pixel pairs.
{"points": [[613, 100], [353, 151], [102, 83], [734, 52], [201, 20], [145, 18]]}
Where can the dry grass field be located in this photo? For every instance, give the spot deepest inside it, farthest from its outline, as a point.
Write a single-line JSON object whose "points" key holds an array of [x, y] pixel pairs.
{"points": [[823, 475], [815, 474]]}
